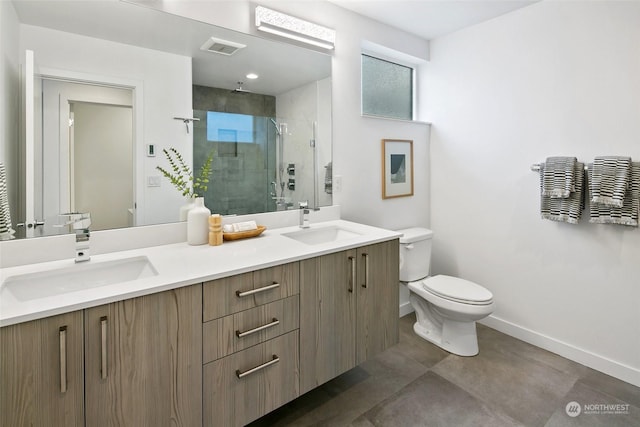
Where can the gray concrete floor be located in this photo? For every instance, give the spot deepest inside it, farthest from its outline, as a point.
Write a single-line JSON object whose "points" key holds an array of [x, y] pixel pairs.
{"points": [[510, 383]]}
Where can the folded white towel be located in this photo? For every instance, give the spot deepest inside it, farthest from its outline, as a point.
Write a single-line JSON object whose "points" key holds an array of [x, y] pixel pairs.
{"points": [[242, 226]]}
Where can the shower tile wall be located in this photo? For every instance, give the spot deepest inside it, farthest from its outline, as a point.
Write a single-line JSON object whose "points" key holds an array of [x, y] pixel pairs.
{"points": [[227, 101], [241, 171]]}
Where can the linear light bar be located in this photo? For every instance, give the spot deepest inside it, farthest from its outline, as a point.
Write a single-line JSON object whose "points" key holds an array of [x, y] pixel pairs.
{"points": [[283, 25]]}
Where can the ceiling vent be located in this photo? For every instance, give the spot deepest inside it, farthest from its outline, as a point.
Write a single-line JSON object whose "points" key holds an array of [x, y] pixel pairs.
{"points": [[223, 47]]}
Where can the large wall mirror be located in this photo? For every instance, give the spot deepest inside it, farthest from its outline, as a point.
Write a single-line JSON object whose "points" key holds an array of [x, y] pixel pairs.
{"points": [[111, 83]]}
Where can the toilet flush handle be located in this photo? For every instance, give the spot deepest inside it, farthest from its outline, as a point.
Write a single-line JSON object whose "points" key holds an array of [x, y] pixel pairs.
{"points": [[409, 246]]}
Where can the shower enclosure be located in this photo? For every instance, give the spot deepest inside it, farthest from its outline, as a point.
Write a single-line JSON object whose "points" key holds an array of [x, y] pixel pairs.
{"points": [[244, 162]]}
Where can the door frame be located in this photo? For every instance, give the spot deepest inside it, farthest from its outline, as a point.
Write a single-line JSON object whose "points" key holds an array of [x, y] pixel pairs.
{"points": [[136, 86]]}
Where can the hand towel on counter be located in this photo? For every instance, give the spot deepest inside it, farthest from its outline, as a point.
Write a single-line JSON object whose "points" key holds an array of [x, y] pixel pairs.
{"points": [[610, 180], [240, 226], [567, 209], [558, 176], [629, 213]]}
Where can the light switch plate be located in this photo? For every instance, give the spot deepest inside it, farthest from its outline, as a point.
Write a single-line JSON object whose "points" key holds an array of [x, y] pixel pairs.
{"points": [[153, 181]]}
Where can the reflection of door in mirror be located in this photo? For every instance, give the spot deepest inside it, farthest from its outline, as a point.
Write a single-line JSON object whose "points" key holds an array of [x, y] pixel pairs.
{"points": [[88, 131]]}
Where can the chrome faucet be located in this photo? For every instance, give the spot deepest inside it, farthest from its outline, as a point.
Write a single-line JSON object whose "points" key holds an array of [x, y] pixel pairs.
{"points": [[83, 252], [304, 214], [80, 223]]}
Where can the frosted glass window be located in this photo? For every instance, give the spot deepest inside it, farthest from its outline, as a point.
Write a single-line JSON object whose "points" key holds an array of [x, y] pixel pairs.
{"points": [[387, 89]]}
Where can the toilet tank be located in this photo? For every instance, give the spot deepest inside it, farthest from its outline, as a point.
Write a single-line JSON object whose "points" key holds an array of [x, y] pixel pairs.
{"points": [[415, 253]]}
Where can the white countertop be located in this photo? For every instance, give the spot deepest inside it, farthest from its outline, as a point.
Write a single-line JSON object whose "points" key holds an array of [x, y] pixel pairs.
{"points": [[180, 265]]}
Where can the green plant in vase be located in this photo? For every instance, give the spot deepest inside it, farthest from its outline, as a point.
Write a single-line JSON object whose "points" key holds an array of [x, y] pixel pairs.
{"points": [[183, 178]]}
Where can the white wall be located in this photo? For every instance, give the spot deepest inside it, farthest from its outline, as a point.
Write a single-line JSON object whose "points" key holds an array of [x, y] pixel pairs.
{"points": [[554, 78], [166, 82], [9, 107]]}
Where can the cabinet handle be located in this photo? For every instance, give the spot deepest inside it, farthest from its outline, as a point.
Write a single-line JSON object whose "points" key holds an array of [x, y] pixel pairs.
{"points": [[241, 374], [274, 322], [241, 294], [103, 347], [352, 279], [63, 359], [366, 270]]}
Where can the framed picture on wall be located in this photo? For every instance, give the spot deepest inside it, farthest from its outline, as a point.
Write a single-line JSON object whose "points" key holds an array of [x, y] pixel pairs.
{"points": [[397, 168]]}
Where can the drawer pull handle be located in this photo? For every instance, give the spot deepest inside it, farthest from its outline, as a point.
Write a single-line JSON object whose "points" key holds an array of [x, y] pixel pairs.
{"points": [[366, 270], [63, 359], [352, 279], [273, 361], [103, 347], [274, 322], [241, 294]]}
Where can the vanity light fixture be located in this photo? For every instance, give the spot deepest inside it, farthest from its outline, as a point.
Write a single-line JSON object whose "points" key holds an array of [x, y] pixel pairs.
{"points": [[284, 25], [252, 76]]}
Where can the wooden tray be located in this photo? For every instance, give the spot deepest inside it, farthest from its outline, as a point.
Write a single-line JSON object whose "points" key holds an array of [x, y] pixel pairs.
{"points": [[244, 234]]}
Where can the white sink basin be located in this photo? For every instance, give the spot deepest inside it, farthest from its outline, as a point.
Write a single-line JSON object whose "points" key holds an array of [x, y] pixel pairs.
{"points": [[316, 236], [31, 286]]}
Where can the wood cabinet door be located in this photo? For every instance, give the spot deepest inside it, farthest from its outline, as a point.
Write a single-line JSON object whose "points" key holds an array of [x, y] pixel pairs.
{"points": [[327, 317], [143, 360], [378, 298], [42, 372], [246, 385]]}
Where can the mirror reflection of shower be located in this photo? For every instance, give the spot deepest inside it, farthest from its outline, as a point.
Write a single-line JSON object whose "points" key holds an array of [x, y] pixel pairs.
{"points": [[279, 198]]}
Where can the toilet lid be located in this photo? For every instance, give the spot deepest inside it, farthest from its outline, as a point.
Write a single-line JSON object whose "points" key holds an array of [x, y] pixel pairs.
{"points": [[456, 289]]}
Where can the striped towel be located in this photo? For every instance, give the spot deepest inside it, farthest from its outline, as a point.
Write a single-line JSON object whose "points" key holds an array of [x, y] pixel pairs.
{"points": [[610, 180], [566, 209], [6, 230], [558, 176], [629, 213], [328, 178]]}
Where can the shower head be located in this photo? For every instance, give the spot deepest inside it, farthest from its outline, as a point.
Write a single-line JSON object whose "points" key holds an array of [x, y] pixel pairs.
{"points": [[281, 128], [278, 128], [239, 89]]}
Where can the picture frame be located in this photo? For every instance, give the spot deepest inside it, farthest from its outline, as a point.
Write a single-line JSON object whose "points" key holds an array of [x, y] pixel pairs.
{"points": [[397, 168]]}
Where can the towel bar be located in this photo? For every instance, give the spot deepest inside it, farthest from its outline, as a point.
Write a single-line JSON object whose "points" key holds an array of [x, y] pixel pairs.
{"points": [[536, 167]]}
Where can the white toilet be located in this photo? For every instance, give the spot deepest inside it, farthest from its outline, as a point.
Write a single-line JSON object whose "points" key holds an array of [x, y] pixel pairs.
{"points": [[446, 307]]}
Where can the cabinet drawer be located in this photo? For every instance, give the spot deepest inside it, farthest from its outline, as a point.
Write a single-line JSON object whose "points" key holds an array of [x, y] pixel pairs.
{"points": [[246, 385], [244, 291], [238, 331]]}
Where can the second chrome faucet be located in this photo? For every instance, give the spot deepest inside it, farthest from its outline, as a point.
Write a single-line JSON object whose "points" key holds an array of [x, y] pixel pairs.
{"points": [[304, 214]]}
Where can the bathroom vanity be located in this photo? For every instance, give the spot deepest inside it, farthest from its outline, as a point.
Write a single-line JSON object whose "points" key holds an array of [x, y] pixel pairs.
{"points": [[218, 337]]}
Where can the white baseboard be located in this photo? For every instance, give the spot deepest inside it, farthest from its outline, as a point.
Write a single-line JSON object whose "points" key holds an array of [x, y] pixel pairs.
{"points": [[406, 308], [600, 363]]}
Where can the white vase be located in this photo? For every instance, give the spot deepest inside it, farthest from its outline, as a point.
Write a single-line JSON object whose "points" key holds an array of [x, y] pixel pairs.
{"points": [[198, 223], [184, 210]]}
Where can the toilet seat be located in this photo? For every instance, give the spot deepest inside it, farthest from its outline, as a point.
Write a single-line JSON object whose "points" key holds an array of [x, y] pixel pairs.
{"points": [[457, 290]]}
